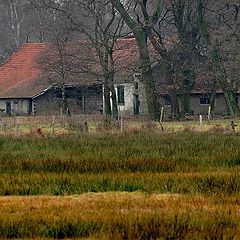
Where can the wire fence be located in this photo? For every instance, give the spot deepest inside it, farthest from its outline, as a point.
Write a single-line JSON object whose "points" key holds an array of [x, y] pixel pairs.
{"points": [[79, 124]]}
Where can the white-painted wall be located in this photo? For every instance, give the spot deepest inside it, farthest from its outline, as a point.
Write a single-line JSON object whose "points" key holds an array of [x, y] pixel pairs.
{"points": [[21, 105], [128, 107], [129, 97], [143, 99]]}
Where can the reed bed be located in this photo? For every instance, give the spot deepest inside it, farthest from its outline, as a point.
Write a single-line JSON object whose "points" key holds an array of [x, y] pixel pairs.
{"points": [[68, 184], [176, 163]]}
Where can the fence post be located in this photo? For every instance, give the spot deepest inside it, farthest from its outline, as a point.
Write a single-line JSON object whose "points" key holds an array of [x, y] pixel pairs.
{"points": [[2, 124], [61, 116], [200, 120], [86, 127], [17, 126], [53, 125], [233, 125], [121, 122], [161, 115], [209, 114], [14, 114], [118, 114]]}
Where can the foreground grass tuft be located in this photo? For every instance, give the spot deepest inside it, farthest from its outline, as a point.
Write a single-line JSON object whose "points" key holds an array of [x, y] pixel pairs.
{"points": [[120, 216]]}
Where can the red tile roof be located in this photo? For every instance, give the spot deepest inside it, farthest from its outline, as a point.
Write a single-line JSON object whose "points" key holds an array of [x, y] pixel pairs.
{"points": [[20, 75]]}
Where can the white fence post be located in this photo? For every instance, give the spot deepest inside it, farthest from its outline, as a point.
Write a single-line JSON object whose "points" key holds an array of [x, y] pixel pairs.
{"points": [[121, 122], [209, 114], [200, 120]]}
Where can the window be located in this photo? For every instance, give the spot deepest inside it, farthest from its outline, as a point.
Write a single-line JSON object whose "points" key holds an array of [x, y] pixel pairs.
{"points": [[167, 100], [136, 85], [237, 100], [205, 99], [8, 108], [120, 95]]}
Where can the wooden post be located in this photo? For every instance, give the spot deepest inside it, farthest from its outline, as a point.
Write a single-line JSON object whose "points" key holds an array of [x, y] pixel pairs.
{"points": [[200, 120], [17, 126], [5, 127], [62, 118], [14, 114], [118, 114], [61, 115], [53, 125], [121, 123], [86, 127], [1, 123], [233, 125], [161, 115], [209, 114]]}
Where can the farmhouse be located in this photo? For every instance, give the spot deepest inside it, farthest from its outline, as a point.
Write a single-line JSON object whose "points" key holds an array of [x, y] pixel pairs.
{"points": [[27, 90], [24, 90]]}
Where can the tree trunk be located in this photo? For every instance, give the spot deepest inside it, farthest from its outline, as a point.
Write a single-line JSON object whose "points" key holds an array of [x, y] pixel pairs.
{"points": [[145, 64], [214, 55], [213, 97], [175, 106], [147, 75], [186, 103], [114, 103], [230, 98], [168, 72], [107, 103], [64, 100], [228, 90]]}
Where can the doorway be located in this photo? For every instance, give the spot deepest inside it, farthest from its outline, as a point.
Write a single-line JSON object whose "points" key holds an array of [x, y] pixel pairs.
{"points": [[8, 108], [136, 105]]}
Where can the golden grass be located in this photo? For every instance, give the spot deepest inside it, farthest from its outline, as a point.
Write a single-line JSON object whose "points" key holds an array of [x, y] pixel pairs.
{"points": [[122, 215]]}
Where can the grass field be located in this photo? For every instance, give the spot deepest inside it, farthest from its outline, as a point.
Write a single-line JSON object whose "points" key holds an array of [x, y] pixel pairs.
{"points": [[97, 124], [121, 216], [136, 185]]}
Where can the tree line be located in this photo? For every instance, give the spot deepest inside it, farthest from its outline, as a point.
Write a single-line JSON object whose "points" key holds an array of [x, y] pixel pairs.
{"points": [[204, 43]]}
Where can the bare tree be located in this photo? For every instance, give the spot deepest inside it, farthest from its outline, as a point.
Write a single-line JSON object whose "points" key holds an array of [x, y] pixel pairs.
{"points": [[214, 45], [21, 21], [97, 22], [139, 27], [60, 63], [13, 16], [40, 21]]}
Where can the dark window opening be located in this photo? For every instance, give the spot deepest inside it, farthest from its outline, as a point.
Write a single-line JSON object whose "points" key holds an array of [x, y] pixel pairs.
{"points": [[167, 100], [237, 100], [136, 105], [205, 99], [120, 95], [8, 108], [136, 85], [98, 89], [58, 93]]}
